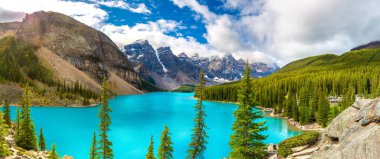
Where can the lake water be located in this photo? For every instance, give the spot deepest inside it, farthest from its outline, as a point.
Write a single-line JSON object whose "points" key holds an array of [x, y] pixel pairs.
{"points": [[136, 117]]}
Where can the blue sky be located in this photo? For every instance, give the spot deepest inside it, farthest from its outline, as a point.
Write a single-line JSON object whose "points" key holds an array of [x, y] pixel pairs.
{"points": [[271, 31], [161, 9]]}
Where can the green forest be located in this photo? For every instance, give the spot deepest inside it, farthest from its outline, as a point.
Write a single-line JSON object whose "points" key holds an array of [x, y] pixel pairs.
{"points": [[300, 90]]}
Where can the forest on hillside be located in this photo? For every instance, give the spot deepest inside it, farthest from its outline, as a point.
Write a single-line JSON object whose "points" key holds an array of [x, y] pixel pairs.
{"points": [[300, 90]]}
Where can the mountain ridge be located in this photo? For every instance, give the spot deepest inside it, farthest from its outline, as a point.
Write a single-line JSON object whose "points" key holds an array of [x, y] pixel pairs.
{"points": [[183, 69]]}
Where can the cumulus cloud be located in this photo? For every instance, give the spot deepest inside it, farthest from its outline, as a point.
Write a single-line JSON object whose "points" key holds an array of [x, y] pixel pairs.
{"points": [[87, 13], [264, 30], [196, 7], [154, 32], [286, 30], [137, 8]]}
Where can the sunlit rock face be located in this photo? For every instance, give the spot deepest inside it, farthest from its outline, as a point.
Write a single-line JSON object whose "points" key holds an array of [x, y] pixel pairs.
{"points": [[354, 133]]}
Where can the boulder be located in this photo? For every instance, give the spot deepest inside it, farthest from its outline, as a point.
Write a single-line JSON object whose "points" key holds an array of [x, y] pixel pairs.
{"points": [[271, 147], [370, 113], [353, 134], [341, 123]]}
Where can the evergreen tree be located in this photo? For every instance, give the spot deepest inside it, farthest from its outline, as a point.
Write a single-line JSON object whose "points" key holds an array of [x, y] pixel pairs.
{"points": [[4, 148], [295, 112], [105, 149], [53, 154], [247, 142], [93, 149], [198, 142], [42, 143], [18, 121], [26, 137], [323, 110], [150, 154], [165, 150], [7, 113]]}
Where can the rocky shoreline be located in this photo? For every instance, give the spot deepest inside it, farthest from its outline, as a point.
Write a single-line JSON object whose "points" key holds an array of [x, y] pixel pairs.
{"points": [[309, 127], [354, 133]]}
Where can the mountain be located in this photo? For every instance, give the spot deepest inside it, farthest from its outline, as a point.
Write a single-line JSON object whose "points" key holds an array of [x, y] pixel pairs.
{"points": [[227, 68], [169, 71], [160, 67], [72, 52], [371, 45]]}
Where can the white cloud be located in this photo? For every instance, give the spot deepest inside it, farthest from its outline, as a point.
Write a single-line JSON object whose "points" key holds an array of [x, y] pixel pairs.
{"points": [[222, 36], [196, 7], [87, 13], [286, 30], [268, 30], [154, 32], [139, 8]]}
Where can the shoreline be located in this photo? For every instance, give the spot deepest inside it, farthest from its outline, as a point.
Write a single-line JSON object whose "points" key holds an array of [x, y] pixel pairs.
{"points": [[291, 123], [59, 106], [309, 127]]}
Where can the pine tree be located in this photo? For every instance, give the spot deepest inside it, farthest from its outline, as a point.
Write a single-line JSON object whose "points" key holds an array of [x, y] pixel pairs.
{"points": [[18, 121], [26, 137], [41, 142], [93, 149], [165, 150], [105, 121], [53, 154], [7, 113], [323, 110], [4, 148], [247, 142], [150, 154], [198, 142]]}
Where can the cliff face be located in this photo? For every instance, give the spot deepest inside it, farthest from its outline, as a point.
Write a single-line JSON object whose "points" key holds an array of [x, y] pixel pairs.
{"points": [[88, 50]]}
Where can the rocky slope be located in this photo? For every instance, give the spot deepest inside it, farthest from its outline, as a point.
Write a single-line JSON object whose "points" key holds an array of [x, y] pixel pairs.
{"points": [[169, 71], [87, 49], [68, 52], [353, 134]]}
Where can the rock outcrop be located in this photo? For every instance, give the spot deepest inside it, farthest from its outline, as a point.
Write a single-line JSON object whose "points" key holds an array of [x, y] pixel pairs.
{"points": [[353, 134]]}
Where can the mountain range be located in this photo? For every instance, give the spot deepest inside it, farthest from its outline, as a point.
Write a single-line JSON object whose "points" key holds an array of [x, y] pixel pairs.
{"points": [[168, 71]]}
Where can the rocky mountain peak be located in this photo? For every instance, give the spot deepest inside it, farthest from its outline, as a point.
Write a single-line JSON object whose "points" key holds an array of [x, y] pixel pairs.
{"points": [[182, 55], [164, 50], [195, 56], [91, 53], [371, 45], [222, 69], [141, 42]]}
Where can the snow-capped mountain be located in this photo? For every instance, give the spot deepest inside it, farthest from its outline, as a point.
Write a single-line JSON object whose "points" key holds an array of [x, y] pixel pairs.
{"points": [[168, 71], [160, 67]]}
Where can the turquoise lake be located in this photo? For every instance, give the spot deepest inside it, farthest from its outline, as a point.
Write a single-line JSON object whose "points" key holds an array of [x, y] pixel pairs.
{"points": [[136, 117]]}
